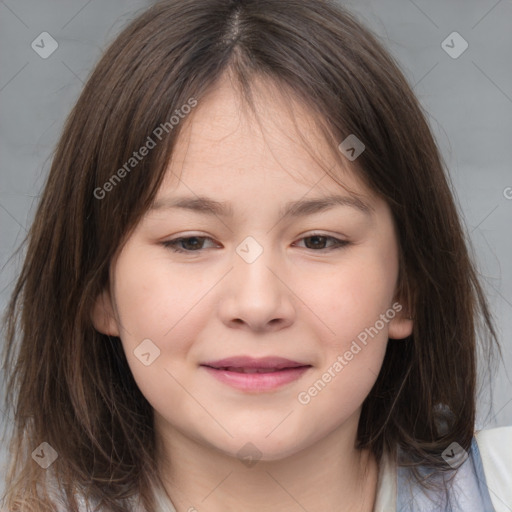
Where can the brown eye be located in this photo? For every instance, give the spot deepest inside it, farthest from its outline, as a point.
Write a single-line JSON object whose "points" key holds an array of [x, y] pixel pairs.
{"points": [[318, 242], [186, 244]]}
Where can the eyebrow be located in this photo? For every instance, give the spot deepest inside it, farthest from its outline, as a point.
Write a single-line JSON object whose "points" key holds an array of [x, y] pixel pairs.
{"points": [[300, 208]]}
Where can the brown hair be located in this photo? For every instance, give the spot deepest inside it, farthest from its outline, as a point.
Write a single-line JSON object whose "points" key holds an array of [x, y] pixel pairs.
{"points": [[70, 386]]}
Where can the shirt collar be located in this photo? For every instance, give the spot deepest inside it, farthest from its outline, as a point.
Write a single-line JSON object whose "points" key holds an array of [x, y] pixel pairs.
{"points": [[385, 499]]}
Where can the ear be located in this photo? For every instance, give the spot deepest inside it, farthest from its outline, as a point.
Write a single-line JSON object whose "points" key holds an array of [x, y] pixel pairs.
{"points": [[102, 315], [400, 327]]}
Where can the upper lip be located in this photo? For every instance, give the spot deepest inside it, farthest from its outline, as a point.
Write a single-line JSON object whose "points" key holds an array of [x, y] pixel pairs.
{"points": [[250, 362]]}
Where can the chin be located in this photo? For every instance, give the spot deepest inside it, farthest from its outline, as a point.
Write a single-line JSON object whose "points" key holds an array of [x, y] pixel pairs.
{"points": [[260, 448]]}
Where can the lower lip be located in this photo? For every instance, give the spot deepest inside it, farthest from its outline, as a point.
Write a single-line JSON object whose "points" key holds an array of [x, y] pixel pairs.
{"points": [[257, 381]]}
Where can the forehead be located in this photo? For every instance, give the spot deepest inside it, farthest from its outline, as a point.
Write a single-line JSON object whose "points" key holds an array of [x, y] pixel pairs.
{"points": [[224, 144]]}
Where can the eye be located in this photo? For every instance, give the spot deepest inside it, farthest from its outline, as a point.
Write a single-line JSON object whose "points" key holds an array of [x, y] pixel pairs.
{"points": [[190, 243], [318, 241], [195, 243]]}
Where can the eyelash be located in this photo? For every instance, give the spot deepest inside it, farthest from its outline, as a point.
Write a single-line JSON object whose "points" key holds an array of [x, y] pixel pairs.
{"points": [[172, 244]]}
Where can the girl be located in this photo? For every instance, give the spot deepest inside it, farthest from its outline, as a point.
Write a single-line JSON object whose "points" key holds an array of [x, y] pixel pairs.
{"points": [[247, 286]]}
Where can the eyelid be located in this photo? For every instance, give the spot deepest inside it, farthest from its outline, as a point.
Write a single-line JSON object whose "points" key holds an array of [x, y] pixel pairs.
{"points": [[172, 243]]}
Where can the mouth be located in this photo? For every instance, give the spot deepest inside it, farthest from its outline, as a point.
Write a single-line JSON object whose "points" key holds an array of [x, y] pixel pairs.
{"points": [[253, 370], [256, 375]]}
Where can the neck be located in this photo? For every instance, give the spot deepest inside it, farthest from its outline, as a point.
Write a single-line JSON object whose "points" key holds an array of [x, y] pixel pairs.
{"points": [[328, 475]]}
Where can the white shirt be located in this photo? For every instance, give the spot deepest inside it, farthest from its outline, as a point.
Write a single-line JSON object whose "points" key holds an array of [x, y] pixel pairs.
{"points": [[482, 483]]}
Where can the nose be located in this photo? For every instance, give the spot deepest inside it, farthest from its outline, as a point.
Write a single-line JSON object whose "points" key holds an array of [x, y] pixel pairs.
{"points": [[257, 296]]}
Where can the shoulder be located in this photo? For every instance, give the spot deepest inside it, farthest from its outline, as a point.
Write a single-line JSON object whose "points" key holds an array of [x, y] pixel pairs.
{"points": [[480, 479], [495, 448], [496, 441]]}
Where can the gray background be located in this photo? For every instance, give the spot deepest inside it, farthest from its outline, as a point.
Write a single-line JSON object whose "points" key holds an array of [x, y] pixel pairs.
{"points": [[468, 100]]}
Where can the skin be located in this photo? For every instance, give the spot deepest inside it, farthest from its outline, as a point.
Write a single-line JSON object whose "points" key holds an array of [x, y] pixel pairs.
{"points": [[295, 301]]}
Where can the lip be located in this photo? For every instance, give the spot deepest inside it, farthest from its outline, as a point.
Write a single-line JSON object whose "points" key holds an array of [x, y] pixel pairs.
{"points": [[278, 372], [274, 362]]}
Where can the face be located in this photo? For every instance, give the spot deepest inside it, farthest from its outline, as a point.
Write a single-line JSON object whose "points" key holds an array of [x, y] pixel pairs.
{"points": [[313, 289]]}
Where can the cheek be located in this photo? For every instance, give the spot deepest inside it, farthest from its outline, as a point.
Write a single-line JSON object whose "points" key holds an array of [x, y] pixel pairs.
{"points": [[152, 301], [359, 314], [155, 302], [355, 303], [352, 297]]}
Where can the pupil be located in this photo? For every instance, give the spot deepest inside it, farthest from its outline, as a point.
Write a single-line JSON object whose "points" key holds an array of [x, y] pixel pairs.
{"points": [[316, 238], [194, 238]]}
